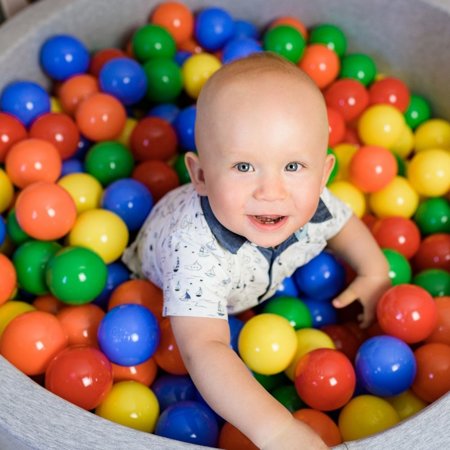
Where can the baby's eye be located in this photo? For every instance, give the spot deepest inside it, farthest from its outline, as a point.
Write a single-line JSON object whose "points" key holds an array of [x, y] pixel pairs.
{"points": [[244, 167], [293, 167]]}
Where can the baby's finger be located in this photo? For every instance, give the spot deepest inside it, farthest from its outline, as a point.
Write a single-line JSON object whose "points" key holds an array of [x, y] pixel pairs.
{"points": [[344, 299]]}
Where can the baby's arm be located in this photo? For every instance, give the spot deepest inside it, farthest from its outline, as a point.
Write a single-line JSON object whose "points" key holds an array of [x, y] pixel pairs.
{"points": [[356, 245], [229, 388]]}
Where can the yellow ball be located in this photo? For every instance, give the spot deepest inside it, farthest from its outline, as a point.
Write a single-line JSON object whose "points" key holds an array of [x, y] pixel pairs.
{"points": [[102, 231], [196, 70], [406, 404], [365, 415], [85, 190], [344, 153], [131, 404], [429, 172], [398, 198], [6, 191], [434, 133], [350, 195], [55, 105], [267, 343], [381, 125], [124, 137], [308, 339], [405, 144], [10, 310]]}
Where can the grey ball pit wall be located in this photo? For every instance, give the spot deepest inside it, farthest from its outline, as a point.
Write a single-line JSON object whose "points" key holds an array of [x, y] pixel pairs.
{"points": [[408, 38]]}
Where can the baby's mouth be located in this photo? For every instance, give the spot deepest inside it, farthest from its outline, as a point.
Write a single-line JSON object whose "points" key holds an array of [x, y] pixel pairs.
{"points": [[268, 220]]}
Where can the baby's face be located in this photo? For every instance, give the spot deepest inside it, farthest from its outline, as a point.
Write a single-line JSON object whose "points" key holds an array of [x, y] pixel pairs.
{"points": [[264, 159]]}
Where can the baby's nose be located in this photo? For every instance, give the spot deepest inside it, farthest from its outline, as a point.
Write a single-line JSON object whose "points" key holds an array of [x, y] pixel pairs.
{"points": [[270, 188]]}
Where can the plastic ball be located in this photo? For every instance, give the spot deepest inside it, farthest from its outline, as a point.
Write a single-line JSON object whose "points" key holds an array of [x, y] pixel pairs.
{"points": [[366, 415], [15, 232], [398, 198], [381, 125], [343, 153], [8, 278], [30, 260], [101, 57], [435, 281], [321, 64], [101, 231], [233, 439], [390, 91], [343, 339], [166, 111], [406, 404], [322, 313], [325, 379], [128, 334], [12, 309], [75, 275], [24, 100], [358, 66], [238, 48], [117, 274], [402, 148], [32, 160], [442, 331], [2, 231], [31, 340], [184, 125], [245, 29], [180, 168], [45, 211], [125, 79], [213, 28], [292, 309], [350, 195], [330, 36], [131, 404], [164, 80], [429, 172], [175, 17], [196, 71], [152, 41], [62, 56], [75, 90], [130, 200], [418, 111], [11, 131], [433, 253], [433, 371], [267, 343], [400, 271], [48, 303], [322, 424], [372, 168], [170, 389], [407, 312], [397, 233], [81, 375], [288, 397], [336, 127], [144, 373], [100, 117], [287, 287], [432, 133], [291, 21], [235, 326], [321, 278], [286, 41], [433, 216]]}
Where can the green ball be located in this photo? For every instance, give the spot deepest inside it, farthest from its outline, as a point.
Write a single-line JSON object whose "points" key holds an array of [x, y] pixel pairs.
{"points": [[433, 216], [435, 281], [288, 397], [109, 161], [152, 41], [286, 41], [331, 36], [358, 66], [14, 230], [76, 275], [335, 170], [270, 382], [399, 268], [164, 80], [401, 165], [292, 309], [30, 260], [181, 170], [418, 111]]}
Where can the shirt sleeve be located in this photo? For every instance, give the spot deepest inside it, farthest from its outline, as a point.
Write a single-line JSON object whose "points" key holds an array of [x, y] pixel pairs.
{"points": [[339, 211]]}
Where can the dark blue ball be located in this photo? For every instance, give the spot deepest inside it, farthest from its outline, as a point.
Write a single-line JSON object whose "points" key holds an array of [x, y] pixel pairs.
{"points": [[185, 128], [117, 274], [166, 111], [171, 389], [322, 313]]}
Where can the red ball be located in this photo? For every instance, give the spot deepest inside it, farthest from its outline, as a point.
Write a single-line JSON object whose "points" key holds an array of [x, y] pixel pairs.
{"points": [[336, 127], [325, 379], [100, 58], [11, 131], [81, 375], [231, 438], [407, 312], [390, 91], [441, 332], [343, 339], [144, 373], [322, 424], [153, 138], [397, 233], [433, 253]]}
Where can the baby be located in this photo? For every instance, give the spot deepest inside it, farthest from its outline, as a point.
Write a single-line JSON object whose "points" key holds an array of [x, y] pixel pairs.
{"points": [[256, 210]]}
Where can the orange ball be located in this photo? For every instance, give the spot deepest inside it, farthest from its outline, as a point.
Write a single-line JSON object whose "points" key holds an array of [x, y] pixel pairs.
{"points": [[33, 160], [321, 64], [144, 373], [32, 340], [336, 127], [292, 22], [231, 438], [433, 371], [45, 211], [322, 424], [76, 89], [442, 331], [8, 278], [48, 303], [176, 18], [101, 117]]}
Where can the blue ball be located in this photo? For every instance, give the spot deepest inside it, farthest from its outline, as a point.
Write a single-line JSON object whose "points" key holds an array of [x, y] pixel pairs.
{"points": [[185, 128], [188, 421], [125, 79], [385, 366], [117, 274], [322, 313], [165, 111], [240, 48], [130, 200], [213, 28], [287, 288], [181, 56], [84, 144], [235, 325], [322, 278], [72, 165], [170, 389], [2, 230], [25, 100], [129, 334], [245, 29], [62, 56]]}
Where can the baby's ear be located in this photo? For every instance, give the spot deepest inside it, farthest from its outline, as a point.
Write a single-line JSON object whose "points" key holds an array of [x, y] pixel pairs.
{"points": [[196, 173], [327, 168]]}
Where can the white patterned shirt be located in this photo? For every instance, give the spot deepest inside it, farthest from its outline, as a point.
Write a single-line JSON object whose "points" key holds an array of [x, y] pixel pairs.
{"points": [[206, 270]]}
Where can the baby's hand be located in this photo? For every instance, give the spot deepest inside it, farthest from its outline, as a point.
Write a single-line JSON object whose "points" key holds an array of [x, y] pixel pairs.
{"points": [[368, 290]]}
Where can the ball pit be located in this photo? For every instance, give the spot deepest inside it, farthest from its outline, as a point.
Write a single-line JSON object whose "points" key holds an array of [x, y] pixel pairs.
{"points": [[103, 24]]}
